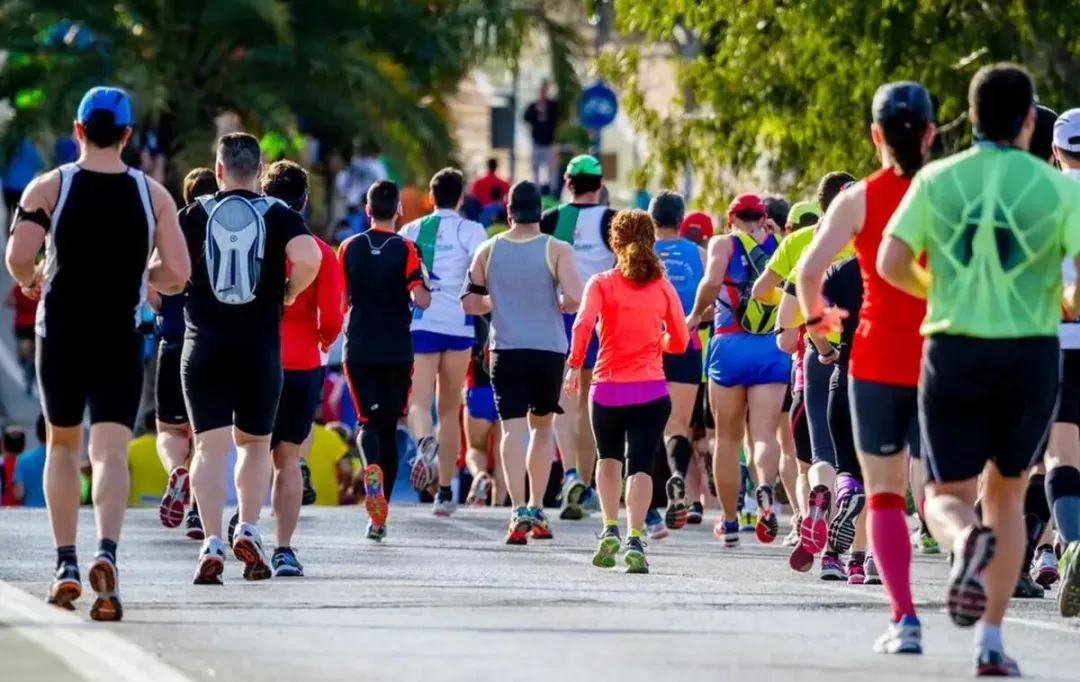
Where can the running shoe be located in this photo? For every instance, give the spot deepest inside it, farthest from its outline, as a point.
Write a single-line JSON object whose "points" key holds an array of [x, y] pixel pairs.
{"points": [[248, 547], [607, 548], [747, 522], [856, 573], [375, 533], [171, 509], [676, 514], [768, 527], [695, 514], [574, 491], [904, 637], [990, 663], [792, 538], [635, 556], [1026, 588], [800, 560], [105, 582], [842, 529], [655, 527], [66, 587], [1059, 545], [590, 504], [375, 495], [727, 532], [310, 495], [233, 521], [1044, 568], [966, 596], [1069, 595], [285, 564], [924, 543], [540, 528], [443, 508], [832, 568], [211, 562], [424, 469], [480, 490], [520, 525], [872, 575], [193, 525], [814, 528]]}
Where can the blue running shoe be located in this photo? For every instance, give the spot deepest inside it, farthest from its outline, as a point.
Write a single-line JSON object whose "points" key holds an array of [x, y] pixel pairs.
{"points": [[590, 504], [990, 663], [904, 637], [285, 563], [655, 527], [66, 587], [727, 532], [375, 533]]}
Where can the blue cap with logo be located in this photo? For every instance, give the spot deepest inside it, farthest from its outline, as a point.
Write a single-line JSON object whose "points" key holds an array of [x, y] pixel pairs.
{"points": [[907, 100], [112, 100]]}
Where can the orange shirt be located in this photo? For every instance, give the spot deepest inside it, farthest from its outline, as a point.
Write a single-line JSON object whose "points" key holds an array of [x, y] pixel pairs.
{"points": [[637, 325]]}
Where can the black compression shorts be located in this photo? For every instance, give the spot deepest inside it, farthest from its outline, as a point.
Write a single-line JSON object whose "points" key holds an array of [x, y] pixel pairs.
{"points": [[380, 391], [231, 384], [168, 391], [526, 382], [1069, 409], [301, 390], [79, 371]]}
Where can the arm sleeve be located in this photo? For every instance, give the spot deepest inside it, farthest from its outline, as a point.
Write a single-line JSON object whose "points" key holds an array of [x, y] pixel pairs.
{"points": [[910, 220], [329, 296], [677, 336], [414, 274], [549, 221], [592, 301]]}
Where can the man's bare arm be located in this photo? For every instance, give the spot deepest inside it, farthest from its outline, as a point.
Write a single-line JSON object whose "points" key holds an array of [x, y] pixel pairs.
{"points": [[170, 264], [32, 221]]}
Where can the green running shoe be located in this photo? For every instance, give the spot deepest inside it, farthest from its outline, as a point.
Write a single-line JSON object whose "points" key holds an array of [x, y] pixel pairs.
{"points": [[607, 548], [635, 556], [924, 543], [1069, 596]]}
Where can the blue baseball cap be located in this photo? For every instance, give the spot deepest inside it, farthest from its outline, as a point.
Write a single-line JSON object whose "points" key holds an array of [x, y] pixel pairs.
{"points": [[112, 100], [906, 100]]}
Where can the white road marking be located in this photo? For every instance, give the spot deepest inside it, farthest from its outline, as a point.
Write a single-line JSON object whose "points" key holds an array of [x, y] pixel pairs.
{"points": [[90, 650]]}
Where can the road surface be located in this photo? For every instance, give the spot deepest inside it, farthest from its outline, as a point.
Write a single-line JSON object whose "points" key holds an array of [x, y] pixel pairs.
{"points": [[445, 600]]}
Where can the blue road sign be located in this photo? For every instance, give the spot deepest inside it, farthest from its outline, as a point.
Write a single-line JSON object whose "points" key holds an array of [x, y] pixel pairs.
{"points": [[597, 106]]}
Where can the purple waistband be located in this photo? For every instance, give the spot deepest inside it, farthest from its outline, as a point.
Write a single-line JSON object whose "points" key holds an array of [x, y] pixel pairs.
{"points": [[612, 394]]}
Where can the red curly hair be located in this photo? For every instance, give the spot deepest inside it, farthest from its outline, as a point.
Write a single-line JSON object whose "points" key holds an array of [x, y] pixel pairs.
{"points": [[633, 239]]}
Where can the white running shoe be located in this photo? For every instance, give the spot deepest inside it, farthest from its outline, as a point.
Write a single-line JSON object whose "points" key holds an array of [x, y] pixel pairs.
{"points": [[248, 548]]}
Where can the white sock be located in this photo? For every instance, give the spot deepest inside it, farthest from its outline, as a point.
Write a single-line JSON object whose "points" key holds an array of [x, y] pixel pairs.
{"points": [[988, 636]]}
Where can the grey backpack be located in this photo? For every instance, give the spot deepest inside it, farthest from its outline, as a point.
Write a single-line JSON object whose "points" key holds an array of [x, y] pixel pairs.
{"points": [[235, 245]]}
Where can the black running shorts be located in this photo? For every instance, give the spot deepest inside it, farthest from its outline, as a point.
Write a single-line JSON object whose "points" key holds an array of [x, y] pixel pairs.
{"points": [[76, 371], [526, 382], [168, 392], [1069, 409], [380, 391], [231, 384], [986, 400], [885, 417], [683, 368], [301, 390]]}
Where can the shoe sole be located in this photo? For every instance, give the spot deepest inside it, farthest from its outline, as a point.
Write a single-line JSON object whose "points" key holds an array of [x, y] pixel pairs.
{"points": [[842, 529], [1047, 577], [289, 572], [676, 514], [374, 497], [209, 571], [659, 535], [966, 600], [103, 580], [1069, 594], [814, 530], [860, 580], [693, 519], [444, 512], [195, 534], [719, 534], [255, 566], [541, 533], [572, 509], [800, 560], [768, 527], [519, 533], [833, 577], [605, 553], [635, 562], [173, 503], [64, 593]]}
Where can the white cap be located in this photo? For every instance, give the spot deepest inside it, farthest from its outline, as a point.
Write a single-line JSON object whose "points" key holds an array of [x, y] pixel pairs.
{"points": [[1067, 131]]}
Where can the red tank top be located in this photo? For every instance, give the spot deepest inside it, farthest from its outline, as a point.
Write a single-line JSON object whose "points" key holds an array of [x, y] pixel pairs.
{"points": [[887, 347]]}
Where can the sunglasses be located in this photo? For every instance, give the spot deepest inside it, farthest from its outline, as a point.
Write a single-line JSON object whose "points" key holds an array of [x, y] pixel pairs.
{"points": [[749, 216]]}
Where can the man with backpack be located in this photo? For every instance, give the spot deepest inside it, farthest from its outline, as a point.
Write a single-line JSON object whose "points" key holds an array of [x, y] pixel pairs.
{"points": [[231, 368]]}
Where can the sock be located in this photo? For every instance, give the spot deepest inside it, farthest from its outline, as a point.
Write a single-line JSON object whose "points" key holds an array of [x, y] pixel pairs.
{"points": [[679, 454], [1063, 490], [634, 533], [1036, 515], [570, 473], [279, 550], [988, 636], [107, 546], [611, 523], [445, 493], [66, 555], [889, 543], [858, 557]]}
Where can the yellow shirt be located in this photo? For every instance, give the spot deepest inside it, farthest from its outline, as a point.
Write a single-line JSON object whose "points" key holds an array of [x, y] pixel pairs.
{"points": [[326, 450], [788, 257], [148, 478]]}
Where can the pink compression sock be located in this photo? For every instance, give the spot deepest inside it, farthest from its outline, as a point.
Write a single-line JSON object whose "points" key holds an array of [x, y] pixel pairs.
{"points": [[891, 549]]}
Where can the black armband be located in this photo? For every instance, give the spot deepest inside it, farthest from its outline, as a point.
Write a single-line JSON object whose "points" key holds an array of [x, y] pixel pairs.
{"points": [[477, 289], [38, 217]]}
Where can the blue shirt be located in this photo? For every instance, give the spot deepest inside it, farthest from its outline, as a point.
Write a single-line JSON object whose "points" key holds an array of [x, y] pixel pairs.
{"points": [[682, 259], [30, 471], [24, 164]]}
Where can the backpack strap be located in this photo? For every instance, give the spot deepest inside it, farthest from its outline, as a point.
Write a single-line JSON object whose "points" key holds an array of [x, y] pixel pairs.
{"points": [[566, 224], [425, 240], [208, 202]]}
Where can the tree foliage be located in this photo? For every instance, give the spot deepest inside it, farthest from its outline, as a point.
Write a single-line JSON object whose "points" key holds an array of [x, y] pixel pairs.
{"points": [[786, 85]]}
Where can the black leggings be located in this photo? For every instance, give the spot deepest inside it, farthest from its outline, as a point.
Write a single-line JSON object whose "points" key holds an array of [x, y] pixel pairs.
{"points": [[630, 431], [843, 437], [378, 445]]}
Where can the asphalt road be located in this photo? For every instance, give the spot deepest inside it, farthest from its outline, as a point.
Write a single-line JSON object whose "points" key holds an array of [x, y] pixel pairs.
{"points": [[445, 600]]}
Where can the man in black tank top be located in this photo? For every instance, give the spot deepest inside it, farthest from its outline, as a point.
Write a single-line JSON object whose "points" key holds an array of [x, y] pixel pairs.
{"points": [[231, 360], [108, 232]]}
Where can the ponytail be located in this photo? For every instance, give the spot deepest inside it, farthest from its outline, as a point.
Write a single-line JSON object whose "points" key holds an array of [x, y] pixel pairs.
{"points": [[633, 240], [904, 140]]}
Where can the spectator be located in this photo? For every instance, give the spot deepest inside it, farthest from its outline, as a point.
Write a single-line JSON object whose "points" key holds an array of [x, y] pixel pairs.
{"points": [[484, 187], [14, 442], [542, 116], [496, 205], [23, 164], [328, 448], [353, 181], [30, 471], [25, 309], [65, 150], [148, 478]]}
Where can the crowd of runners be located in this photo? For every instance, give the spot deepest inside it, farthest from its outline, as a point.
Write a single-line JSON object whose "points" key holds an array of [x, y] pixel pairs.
{"points": [[895, 335]]}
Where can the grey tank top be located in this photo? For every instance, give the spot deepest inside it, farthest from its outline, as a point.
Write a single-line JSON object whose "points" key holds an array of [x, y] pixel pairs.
{"points": [[525, 311]]}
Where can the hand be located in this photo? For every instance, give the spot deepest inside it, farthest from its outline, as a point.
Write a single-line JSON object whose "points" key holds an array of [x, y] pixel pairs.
{"points": [[572, 382], [832, 320], [33, 292], [830, 357], [693, 322]]}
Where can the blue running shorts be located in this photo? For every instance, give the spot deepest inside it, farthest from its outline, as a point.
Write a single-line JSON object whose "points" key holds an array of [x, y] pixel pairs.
{"points": [[744, 359], [434, 342]]}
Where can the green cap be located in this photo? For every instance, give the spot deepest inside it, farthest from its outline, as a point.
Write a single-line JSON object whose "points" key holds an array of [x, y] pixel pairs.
{"points": [[584, 165], [803, 214]]}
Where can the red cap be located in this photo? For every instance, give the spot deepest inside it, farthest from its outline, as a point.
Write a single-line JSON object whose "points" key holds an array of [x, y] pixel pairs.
{"points": [[697, 226], [746, 202]]}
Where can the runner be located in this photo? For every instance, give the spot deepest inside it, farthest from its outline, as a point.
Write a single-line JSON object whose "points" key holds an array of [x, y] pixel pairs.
{"points": [[231, 360], [517, 277], [383, 276], [638, 314], [585, 223], [443, 336], [684, 264], [308, 328], [481, 421], [1063, 450], [64, 210], [995, 256], [747, 372]]}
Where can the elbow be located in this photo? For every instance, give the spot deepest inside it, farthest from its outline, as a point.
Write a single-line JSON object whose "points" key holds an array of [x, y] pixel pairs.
{"points": [[789, 343], [760, 291]]}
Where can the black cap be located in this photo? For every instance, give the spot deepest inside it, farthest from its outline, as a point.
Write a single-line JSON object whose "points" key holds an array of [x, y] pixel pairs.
{"points": [[526, 204], [1042, 139], [668, 209], [906, 99], [777, 209]]}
